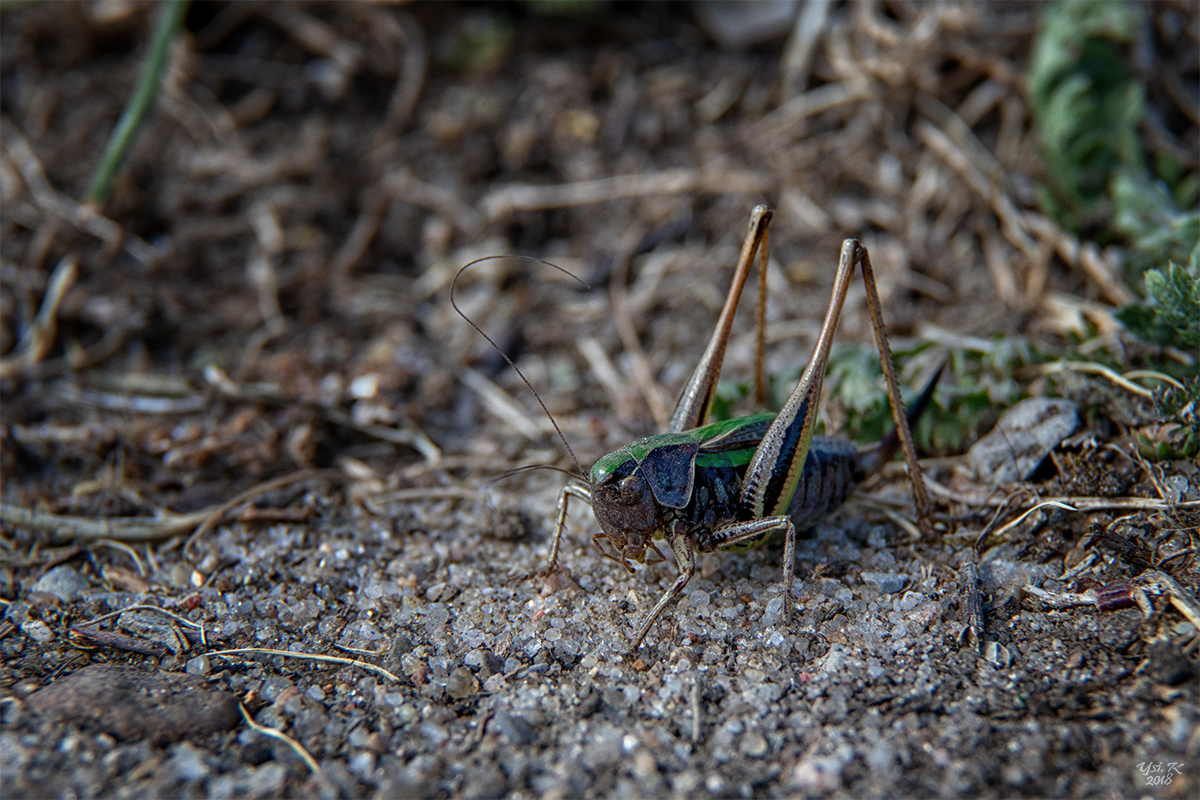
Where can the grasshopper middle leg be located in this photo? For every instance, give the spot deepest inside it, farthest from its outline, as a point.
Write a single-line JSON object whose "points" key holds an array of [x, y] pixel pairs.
{"points": [[686, 546]]}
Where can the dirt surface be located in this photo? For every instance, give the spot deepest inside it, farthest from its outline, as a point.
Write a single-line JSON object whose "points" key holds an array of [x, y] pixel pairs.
{"points": [[248, 402]]}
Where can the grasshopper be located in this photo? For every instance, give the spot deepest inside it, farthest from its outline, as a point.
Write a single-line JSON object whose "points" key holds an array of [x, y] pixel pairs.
{"points": [[736, 483]]}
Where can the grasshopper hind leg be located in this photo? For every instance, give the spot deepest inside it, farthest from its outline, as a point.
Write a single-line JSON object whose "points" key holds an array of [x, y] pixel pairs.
{"points": [[920, 493]]}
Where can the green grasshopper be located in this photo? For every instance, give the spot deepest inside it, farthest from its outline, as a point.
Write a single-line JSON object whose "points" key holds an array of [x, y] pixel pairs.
{"points": [[734, 484]]}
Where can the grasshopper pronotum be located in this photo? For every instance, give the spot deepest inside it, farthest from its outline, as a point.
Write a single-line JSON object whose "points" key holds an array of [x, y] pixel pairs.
{"points": [[736, 483]]}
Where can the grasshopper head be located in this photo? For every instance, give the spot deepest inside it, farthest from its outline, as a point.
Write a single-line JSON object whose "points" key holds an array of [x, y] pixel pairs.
{"points": [[626, 510]]}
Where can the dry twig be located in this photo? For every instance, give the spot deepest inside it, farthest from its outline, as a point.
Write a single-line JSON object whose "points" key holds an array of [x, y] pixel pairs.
{"points": [[510, 199], [38, 338]]}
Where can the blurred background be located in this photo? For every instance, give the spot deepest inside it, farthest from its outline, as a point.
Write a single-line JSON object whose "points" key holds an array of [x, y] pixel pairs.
{"points": [[308, 179]]}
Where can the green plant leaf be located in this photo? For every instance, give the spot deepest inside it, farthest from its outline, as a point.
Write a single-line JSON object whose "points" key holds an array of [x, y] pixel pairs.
{"points": [[1171, 313], [1087, 106]]}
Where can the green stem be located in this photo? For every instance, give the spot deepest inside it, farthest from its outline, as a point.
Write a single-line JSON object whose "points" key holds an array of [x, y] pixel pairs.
{"points": [[169, 22]]}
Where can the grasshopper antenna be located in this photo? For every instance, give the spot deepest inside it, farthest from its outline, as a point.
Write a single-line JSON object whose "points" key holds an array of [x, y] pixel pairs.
{"points": [[504, 355], [531, 468]]}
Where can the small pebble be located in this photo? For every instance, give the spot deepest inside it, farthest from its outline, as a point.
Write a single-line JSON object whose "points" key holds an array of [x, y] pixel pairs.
{"points": [[1022, 438], [882, 756], [886, 582], [200, 665], [132, 704], [518, 731], [754, 745], [461, 683], [63, 582], [644, 767], [435, 733], [188, 762], [267, 780], [38, 631], [362, 764], [997, 655], [818, 775]]}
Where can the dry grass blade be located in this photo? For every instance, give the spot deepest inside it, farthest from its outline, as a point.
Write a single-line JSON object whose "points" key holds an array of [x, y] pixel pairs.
{"points": [[1106, 372], [143, 607], [409, 83], [988, 535], [216, 514], [120, 528], [39, 337], [606, 373], [777, 127], [1086, 256], [89, 638], [503, 406], [410, 437], [51, 201], [129, 404], [137, 529], [508, 200], [1157, 581], [355, 245], [1060, 599], [1011, 220], [427, 493], [279, 735], [127, 550], [406, 187], [627, 330], [1083, 504], [266, 651], [798, 55]]}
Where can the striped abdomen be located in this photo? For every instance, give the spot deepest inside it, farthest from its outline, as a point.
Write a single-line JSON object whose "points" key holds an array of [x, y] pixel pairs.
{"points": [[831, 471]]}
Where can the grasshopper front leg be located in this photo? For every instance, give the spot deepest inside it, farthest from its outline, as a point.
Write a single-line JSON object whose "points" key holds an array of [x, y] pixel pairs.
{"points": [[572, 489], [560, 520]]}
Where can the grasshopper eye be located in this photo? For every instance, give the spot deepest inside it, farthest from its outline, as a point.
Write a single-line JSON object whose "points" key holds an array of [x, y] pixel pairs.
{"points": [[632, 489]]}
